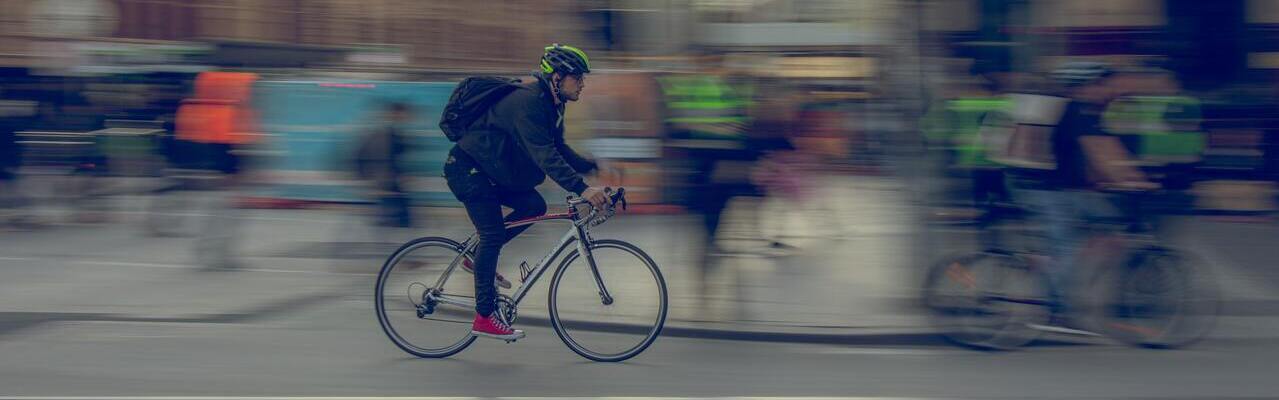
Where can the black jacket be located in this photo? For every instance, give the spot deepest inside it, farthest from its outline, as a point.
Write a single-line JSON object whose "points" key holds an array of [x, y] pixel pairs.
{"points": [[520, 141]]}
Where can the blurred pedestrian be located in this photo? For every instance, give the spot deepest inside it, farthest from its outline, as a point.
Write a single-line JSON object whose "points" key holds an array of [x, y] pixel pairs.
{"points": [[380, 161], [10, 160], [215, 131], [15, 115], [781, 173]]}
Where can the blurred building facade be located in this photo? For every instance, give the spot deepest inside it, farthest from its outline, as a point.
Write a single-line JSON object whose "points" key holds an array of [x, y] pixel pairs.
{"points": [[870, 65], [501, 33], [1218, 40], [434, 33]]}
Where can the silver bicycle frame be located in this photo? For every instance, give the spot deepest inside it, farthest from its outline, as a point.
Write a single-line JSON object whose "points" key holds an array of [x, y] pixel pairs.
{"points": [[578, 232]]}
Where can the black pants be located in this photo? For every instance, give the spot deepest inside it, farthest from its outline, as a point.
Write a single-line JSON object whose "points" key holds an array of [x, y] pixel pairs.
{"points": [[393, 207], [211, 156], [483, 201]]}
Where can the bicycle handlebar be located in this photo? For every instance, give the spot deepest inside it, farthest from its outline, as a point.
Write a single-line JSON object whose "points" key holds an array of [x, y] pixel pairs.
{"points": [[614, 197], [595, 218]]}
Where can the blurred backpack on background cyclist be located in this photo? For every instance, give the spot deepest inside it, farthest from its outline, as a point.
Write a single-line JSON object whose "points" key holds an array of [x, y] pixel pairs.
{"points": [[1021, 137]]}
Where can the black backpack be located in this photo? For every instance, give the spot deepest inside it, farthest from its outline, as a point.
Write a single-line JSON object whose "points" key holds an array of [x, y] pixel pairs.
{"points": [[470, 100]]}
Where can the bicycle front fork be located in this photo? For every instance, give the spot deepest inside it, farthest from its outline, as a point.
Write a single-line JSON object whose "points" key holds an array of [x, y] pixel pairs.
{"points": [[584, 247]]}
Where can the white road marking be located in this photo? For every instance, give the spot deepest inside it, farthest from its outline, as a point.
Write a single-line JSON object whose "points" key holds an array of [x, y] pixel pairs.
{"points": [[424, 398], [189, 266], [878, 351]]}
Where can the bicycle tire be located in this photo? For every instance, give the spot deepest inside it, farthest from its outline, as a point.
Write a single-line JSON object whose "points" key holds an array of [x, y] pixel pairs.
{"points": [[1181, 317], [650, 333]]}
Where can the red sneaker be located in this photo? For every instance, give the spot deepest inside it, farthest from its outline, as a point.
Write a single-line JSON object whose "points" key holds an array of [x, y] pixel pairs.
{"points": [[493, 327], [501, 280]]}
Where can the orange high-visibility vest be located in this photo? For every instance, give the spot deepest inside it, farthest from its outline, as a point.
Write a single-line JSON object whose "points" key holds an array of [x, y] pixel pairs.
{"points": [[221, 110]]}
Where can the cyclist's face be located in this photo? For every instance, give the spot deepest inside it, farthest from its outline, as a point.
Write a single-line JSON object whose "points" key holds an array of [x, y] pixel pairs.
{"points": [[571, 87]]}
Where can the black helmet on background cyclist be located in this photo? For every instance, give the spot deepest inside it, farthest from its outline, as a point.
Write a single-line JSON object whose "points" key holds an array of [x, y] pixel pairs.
{"points": [[563, 68], [1081, 73]]}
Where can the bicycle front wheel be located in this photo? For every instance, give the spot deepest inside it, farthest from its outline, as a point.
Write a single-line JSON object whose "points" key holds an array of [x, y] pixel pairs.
{"points": [[1161, 298], [425, 302], [610, 304]]}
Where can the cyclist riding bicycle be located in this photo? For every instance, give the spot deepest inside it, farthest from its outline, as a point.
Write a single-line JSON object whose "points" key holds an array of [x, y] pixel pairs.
{"points": [[1085, 158], [501, 160]]}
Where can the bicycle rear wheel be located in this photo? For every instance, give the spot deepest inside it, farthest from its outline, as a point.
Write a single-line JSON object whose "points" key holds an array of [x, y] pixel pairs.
{"points": [[616, 327], [1160, 298], [424, 302], [988, 300]]}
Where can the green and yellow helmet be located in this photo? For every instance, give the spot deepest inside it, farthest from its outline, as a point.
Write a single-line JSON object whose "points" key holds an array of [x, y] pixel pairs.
{"points": [[565, 59]]}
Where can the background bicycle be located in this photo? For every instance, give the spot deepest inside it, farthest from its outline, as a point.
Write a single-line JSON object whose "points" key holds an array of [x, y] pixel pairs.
{"points": [[1133, 288]]}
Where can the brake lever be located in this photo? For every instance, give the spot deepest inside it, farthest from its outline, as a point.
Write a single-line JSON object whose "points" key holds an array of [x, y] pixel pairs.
{"points": [[621, 197]]}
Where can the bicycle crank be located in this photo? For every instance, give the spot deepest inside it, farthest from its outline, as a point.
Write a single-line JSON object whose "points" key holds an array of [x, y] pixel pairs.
{"points": [[506, 309]]}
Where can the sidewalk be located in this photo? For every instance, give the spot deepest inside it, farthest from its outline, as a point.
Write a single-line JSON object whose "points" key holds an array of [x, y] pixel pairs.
{"points": [[853, 278]]}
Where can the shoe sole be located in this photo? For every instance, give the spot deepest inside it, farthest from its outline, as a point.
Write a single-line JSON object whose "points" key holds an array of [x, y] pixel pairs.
{"points": [[508, 338]]}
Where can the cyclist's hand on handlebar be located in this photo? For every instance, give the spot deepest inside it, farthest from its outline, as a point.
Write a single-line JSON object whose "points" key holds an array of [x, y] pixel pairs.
{"points": [[596, 196]]}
